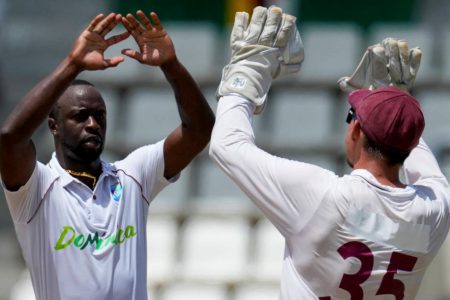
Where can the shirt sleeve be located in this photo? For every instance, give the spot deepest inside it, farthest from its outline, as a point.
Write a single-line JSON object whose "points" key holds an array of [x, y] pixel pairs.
{"points": [[146, 165], [24, 202], [287, 192], [421, 167]]}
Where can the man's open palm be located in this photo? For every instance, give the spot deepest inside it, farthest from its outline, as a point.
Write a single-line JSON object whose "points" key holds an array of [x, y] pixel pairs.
{"points": [[88, 50], [155, 45]]}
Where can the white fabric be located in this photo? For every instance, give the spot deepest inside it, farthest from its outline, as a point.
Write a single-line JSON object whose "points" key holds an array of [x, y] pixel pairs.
{"points": [[317, 211], [84, 244]]}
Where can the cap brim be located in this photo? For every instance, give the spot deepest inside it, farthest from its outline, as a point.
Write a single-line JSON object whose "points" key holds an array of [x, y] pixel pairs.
{"points": [[355, 97]]}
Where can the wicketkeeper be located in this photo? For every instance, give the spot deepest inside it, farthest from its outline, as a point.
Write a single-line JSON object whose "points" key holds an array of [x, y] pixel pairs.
{"points": [[366, 235]]}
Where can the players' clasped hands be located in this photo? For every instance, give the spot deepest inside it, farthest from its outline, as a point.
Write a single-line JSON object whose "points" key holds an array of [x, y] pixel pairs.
{"points": [[155, 45]]}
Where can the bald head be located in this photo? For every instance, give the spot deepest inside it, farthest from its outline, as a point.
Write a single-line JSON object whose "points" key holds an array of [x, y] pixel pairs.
{"points": [[78, 90], [78, 123]]}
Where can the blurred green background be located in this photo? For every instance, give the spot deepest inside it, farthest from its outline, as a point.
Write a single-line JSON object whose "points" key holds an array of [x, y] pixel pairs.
{"points": [[361, 12]]}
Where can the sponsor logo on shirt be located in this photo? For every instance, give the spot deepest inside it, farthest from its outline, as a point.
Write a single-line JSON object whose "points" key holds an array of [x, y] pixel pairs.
{"points": [[69, 237], [116, 191]]}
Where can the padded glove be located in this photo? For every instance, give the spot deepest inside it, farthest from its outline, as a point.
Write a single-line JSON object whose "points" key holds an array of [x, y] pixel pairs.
{"points": [[389, 63], [266, 48]]}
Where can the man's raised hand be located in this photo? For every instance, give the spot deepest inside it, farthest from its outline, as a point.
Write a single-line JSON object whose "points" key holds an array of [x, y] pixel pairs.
{"points": [[265, 47], [155, 45], [88, 50], [389, 63]]}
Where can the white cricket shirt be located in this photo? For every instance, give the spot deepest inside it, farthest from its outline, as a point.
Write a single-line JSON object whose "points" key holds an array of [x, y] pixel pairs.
{"points": [[84, 244], [346, 237]]}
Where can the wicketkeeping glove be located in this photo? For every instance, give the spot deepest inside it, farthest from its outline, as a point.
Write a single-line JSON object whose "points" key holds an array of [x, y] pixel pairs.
{"points": [[389, 63], [264, 49]]}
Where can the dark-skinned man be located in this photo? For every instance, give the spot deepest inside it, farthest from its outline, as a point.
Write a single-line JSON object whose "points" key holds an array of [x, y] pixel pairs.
{"points": [[81, 221]]}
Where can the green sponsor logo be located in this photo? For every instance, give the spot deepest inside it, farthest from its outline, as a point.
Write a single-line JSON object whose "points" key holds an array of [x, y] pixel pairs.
{"points": [[70, 237]]}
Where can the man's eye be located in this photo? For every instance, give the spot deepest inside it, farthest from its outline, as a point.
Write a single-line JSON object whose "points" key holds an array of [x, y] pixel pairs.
{"points": [[81, 116], [100, 116]]}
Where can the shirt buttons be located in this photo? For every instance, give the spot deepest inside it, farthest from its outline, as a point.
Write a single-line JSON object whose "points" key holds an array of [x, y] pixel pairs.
{"points": [[94, 197]]}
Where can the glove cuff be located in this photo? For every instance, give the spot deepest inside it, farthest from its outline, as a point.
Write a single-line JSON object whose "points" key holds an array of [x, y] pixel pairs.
{"points": [[251, 78], [245, 82]]}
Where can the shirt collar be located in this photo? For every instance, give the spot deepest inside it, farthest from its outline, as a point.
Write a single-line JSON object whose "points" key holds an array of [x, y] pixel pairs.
{"points": [[367, 176], [66, 178]]}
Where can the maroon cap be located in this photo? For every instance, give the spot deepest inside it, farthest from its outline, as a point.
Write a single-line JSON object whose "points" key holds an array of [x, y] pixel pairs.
{"points": [[389, 116]]}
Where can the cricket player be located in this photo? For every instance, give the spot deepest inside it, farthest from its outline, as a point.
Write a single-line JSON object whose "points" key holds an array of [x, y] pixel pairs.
{"points": [[366, 235], [81, 221]]}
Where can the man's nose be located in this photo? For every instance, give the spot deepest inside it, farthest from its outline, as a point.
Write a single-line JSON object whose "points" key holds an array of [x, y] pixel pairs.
{"points": [[92, 123]]}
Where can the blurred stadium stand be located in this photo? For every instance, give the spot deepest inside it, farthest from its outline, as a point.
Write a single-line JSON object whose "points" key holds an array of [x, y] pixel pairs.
{"points": [[205, 238]]}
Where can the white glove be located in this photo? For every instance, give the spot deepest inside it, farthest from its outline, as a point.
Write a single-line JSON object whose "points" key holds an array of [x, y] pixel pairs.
{"points": [[390, 63], [267, 48]]}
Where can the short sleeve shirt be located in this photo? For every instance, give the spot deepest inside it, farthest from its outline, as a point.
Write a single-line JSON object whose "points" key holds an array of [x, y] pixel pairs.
{"points": [[88, 244]]}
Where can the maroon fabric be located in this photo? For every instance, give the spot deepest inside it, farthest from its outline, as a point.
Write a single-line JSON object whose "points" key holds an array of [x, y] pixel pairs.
{"points": [[389, 116]]}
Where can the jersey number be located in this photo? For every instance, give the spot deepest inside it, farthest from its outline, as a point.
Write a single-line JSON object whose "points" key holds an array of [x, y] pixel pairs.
{"points": [[388, 286]]}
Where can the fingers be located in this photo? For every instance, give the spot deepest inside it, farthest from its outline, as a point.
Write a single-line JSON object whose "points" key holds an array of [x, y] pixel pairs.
{"points": [[256, 25], [404, 61], [274, 17], [95, 22], [379, 73], [239, 27], [136, 29], [144, 20], [133, 54], [287, 26], [415, 57], [393, 55], [155, 20], [111, 24], [113, 61], [132, 25], [267, 27], [117, 38], [389, 63], [102, 25]]}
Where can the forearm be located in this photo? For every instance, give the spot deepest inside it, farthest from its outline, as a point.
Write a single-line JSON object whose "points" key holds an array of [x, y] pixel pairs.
{"points": [[33, 109], [232, 148], [286, 191], [232, 140], [196, 116]]}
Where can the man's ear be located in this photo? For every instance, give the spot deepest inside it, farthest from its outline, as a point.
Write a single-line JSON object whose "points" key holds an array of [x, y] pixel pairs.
{"points": [[53, 126], [355, 130]]}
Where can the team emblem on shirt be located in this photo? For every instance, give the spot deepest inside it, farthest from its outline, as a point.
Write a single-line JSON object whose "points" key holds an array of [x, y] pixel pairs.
{"points": [[116, 191]]}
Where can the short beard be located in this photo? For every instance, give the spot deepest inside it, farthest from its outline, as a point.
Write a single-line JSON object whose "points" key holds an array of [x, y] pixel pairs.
{"points": [[80, 154]]}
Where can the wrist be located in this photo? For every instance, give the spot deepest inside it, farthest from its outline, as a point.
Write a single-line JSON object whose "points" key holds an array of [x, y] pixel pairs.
{"points": [[71, 66], [171, 66]]}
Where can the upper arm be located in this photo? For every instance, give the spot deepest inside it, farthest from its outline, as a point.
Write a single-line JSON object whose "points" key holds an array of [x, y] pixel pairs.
{"points": [[197, 120], [421, 164], [17, 162], [180, 148], [286, 191]]}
